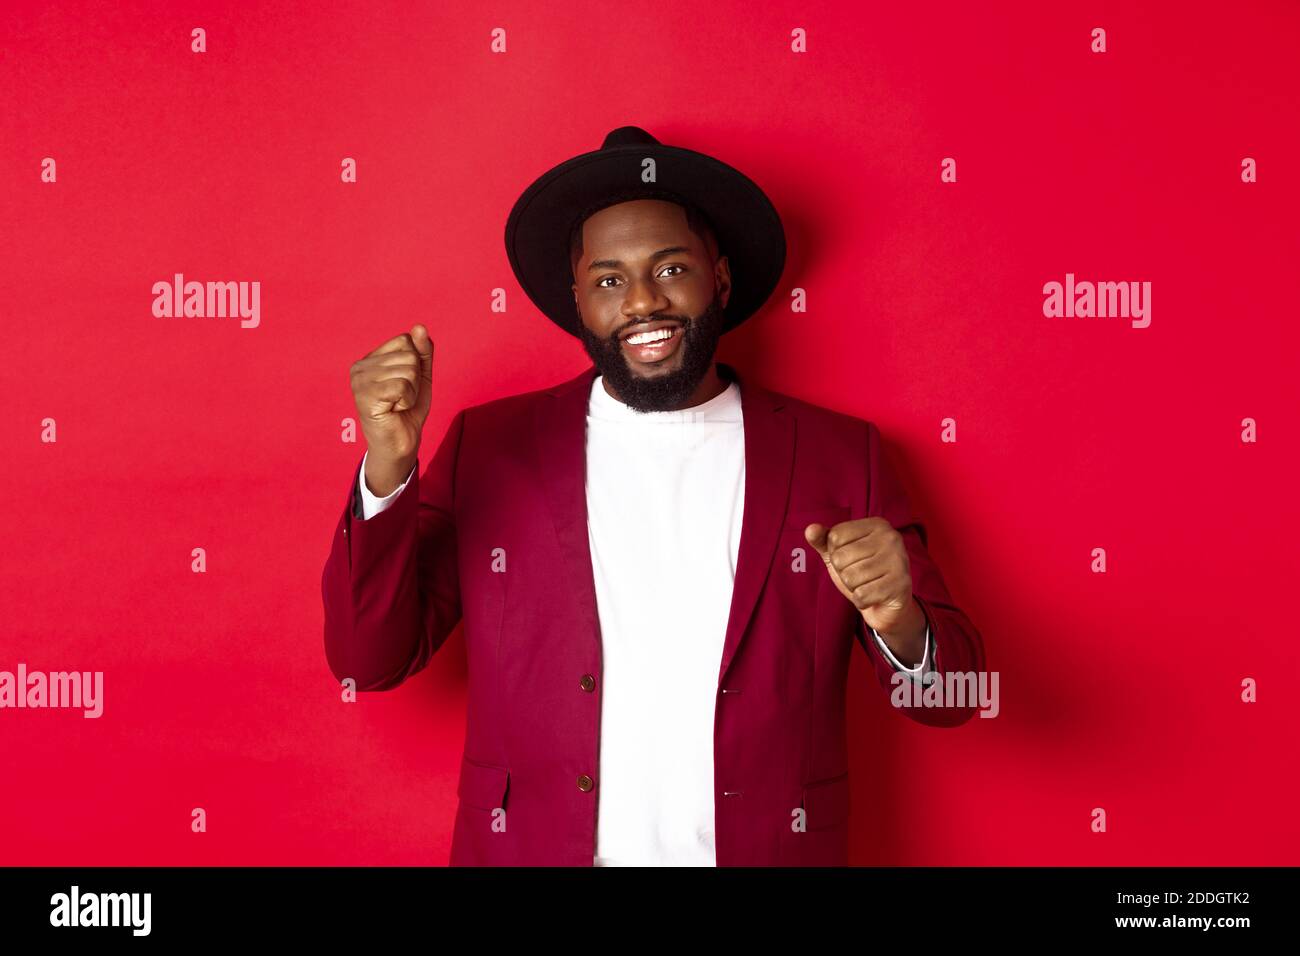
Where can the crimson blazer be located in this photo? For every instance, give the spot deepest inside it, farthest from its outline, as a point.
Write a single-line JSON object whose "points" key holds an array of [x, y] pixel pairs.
{"points": [[509, 479]]}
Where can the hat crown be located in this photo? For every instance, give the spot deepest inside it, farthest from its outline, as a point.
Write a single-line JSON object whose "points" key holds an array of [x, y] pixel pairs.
{"points": [[628, 136]]}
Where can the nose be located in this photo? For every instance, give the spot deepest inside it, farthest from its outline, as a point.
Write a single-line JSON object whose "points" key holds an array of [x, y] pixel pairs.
{"points": [[643, 299]]}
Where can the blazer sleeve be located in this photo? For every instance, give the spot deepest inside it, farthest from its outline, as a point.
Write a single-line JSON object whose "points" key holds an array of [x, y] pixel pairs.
{"points": [[390, 586], [958, 646]]}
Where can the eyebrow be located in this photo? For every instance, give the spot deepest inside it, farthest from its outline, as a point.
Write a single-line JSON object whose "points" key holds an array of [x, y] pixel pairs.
{"points": [[618, 264]]}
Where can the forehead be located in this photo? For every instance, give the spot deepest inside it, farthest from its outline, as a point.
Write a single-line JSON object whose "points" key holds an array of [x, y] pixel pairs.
{"points": [[639, 222]]}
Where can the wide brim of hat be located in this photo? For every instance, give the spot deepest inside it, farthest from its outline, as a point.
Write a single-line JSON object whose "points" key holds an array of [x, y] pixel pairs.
{"points": [[748, 229]]}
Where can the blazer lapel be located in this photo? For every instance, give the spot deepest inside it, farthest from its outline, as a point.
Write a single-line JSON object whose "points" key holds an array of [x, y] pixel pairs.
{"points": [[559, 439], [769, 469]]}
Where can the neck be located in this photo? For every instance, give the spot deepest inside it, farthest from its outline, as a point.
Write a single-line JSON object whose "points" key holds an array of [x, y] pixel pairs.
{"points": [[711, 386]]}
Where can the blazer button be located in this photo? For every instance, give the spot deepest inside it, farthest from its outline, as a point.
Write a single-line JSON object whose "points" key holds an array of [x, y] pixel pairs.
{"points": [[584, 783], [588, 683]]}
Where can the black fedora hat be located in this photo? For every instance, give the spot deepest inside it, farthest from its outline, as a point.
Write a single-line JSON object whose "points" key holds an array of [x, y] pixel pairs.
{"points": [[745, 222]]}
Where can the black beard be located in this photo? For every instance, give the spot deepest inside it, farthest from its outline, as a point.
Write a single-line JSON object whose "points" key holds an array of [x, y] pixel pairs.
{"points": [[658, 393]]}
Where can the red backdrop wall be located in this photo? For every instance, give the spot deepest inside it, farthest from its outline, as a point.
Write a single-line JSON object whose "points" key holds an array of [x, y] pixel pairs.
{"points": [[1119, 690]]}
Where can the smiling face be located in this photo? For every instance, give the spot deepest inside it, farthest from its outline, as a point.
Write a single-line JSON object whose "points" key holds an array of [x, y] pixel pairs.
{"points": [[650, 293]]}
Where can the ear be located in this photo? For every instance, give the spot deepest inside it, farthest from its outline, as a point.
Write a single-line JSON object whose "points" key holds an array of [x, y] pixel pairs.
{"points": [[722, 279]]}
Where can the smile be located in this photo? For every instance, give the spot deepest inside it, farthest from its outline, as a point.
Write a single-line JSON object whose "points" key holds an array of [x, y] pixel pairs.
{"points": [[653, 346]]}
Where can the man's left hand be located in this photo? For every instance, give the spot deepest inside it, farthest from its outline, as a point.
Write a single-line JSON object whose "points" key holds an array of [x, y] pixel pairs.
{"points": [[867, 560]]}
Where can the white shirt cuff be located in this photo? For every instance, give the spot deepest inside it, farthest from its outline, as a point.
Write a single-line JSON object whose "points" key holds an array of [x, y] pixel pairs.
{"points": [[927, 659], [372, 504]]}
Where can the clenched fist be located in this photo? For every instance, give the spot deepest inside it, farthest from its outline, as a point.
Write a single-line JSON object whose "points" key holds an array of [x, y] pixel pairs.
{"points": [[867, 560], [393, 387]]}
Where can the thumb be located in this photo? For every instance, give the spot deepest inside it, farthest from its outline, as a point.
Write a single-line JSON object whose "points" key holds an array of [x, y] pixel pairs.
{"points": [[817, 535], [424, 346]]}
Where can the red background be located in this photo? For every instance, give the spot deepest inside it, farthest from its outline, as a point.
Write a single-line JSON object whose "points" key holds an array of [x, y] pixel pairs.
{"points": [[1118, 690]]}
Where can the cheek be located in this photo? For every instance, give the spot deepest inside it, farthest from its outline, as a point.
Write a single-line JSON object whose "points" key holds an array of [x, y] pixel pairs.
{"points": [[598, 317], [593, 326]]}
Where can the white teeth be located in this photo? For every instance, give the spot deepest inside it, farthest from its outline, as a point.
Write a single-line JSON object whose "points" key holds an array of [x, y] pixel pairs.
{"points": [[643, 338]]}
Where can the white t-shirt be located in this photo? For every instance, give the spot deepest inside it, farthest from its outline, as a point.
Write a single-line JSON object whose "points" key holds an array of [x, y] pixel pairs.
{"points": [[665, 501]]}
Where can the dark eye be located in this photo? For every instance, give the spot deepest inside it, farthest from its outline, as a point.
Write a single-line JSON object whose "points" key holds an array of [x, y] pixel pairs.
{"points": [[599, 281], [672, 267]]}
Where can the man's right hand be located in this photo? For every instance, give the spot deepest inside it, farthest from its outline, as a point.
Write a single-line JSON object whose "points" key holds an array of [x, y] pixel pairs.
{"points": [[393, 387]]}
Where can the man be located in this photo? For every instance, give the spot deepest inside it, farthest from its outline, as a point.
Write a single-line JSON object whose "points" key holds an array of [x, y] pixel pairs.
{"points": [[657, 675]]}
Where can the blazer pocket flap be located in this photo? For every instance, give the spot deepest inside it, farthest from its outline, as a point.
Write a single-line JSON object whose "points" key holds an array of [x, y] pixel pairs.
{"points": [[828, 515], [826, 802], [482, 786]]}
